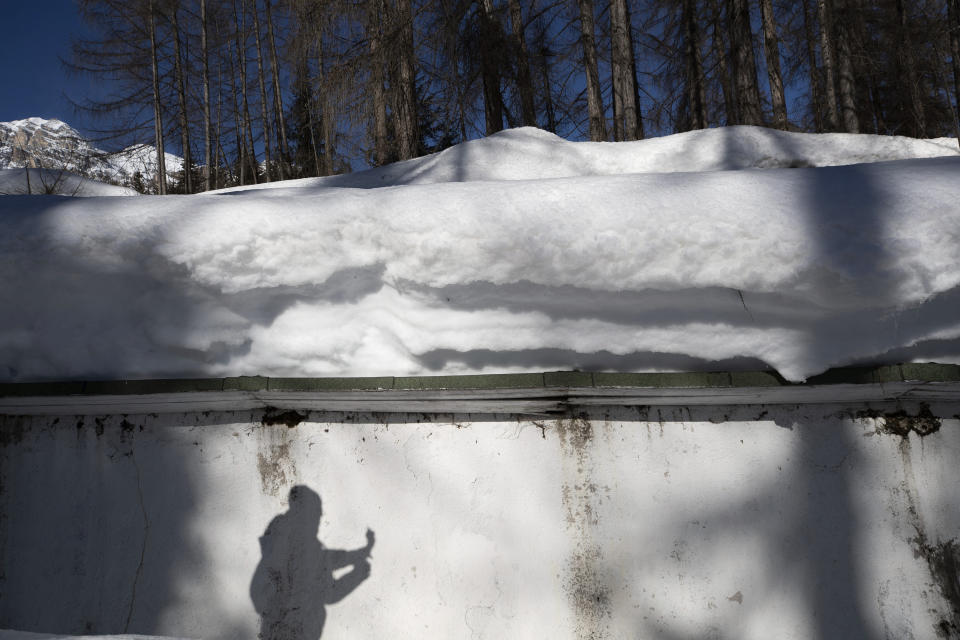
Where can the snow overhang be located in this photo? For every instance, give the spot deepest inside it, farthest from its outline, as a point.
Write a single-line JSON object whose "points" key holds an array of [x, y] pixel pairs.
{"points": [[544, 394]]}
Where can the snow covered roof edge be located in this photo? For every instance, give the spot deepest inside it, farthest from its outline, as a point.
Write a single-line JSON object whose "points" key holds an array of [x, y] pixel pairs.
{"points": [[528, 393]]}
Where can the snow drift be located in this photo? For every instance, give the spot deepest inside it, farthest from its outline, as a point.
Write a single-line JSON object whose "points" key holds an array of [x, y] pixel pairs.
{"points": [[520, 252], [531, 154]]}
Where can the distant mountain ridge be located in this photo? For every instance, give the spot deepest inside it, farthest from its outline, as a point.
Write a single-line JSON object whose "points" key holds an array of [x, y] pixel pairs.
{"points": [[53, 144]]}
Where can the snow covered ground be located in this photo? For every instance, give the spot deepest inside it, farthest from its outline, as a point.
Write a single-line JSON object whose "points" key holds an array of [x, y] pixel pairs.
{"points": [[519, 252]]}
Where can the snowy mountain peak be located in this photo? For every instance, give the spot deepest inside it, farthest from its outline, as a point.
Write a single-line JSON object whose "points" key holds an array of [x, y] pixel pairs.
{"points": [[53, 144], [34, 124]]}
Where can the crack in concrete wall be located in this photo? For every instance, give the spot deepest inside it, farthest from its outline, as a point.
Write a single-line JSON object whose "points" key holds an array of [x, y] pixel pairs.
{"points": [[143, 547]]}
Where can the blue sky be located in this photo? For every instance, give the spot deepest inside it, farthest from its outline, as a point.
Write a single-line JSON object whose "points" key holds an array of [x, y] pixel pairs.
{"points": [[35, 36]]}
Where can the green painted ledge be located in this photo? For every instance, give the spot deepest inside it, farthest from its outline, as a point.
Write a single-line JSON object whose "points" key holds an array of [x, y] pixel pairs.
{"points": [[925, 372]]}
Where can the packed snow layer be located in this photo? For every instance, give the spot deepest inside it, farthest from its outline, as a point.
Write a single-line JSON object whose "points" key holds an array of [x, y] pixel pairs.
{"points": [[50, 182], [798, 269]]}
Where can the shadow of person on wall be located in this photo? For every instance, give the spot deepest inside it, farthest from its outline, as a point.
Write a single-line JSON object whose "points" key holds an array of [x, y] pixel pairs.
{"points": [[294, 580]]}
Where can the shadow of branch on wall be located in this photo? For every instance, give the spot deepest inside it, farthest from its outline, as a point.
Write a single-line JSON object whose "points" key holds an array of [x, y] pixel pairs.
{"points": [[295, 578]]}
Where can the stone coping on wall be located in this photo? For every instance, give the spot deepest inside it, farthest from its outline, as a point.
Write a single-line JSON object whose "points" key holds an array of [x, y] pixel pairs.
{"points": [[537, 393]]}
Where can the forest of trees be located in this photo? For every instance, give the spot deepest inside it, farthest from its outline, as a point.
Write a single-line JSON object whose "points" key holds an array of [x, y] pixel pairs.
{"points": [[249, 91]]}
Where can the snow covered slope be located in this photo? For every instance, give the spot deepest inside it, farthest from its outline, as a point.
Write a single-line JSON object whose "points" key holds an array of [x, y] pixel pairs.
{"points": [[532, 154], [502, 255], [53, 144], [48, 181]]}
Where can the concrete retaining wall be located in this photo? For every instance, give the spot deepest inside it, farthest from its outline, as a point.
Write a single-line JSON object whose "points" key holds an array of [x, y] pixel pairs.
{"points": [[693, 522]]}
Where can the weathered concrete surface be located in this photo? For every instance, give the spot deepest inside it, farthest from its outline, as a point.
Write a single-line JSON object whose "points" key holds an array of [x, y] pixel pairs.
{"points": [[666, 523]]}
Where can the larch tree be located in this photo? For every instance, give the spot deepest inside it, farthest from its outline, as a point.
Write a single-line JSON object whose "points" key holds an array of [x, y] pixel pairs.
{"points": [[909, 80], [953, 27], [491, 47], [376, 14], [261, 81], [772, 55], [744, 64], [157, 111], [827, 54], [721, 56], [281, 126], [183, 113], [626, 102], [813, 69], [595, 109], [524, 79], [405, 96], [208, 158], [846, 77], [695, 82]]}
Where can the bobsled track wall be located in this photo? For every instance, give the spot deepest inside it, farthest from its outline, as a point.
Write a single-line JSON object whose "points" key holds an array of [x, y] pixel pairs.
{"points": [[555, 512]]}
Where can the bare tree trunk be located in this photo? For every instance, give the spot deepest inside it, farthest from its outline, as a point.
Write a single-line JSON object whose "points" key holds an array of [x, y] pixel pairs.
{"points": [[313, 139], [490, 33], [908, 72], [815, 89], [720, 53], [407, 126], [218, 131], [942, 81], [207, 148], [595, 110], [542, 64], [626, 115], [744, 64], [264, 105], [157, 113], [528, 111], [827, 54], [772, 51], [247, 120], [695, 83], [847, 86], [238, 123], [277, 95], [953, 13], [182, 101], [375, 16], [327, 114], [636, 85]]}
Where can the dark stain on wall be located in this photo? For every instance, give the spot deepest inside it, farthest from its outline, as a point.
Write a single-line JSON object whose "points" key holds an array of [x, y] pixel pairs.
{"points": [[589, 593], [586, 584], [290, 418], [900, 423], [943, 559], [274, 467], [11, 430]]}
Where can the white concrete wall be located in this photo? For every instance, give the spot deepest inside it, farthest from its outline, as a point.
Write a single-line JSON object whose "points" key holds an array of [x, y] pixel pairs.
{"points": [[750, 522]]}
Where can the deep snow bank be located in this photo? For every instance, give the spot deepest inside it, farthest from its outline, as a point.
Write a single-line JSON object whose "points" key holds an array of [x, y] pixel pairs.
{"points": [[799, 269]]}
